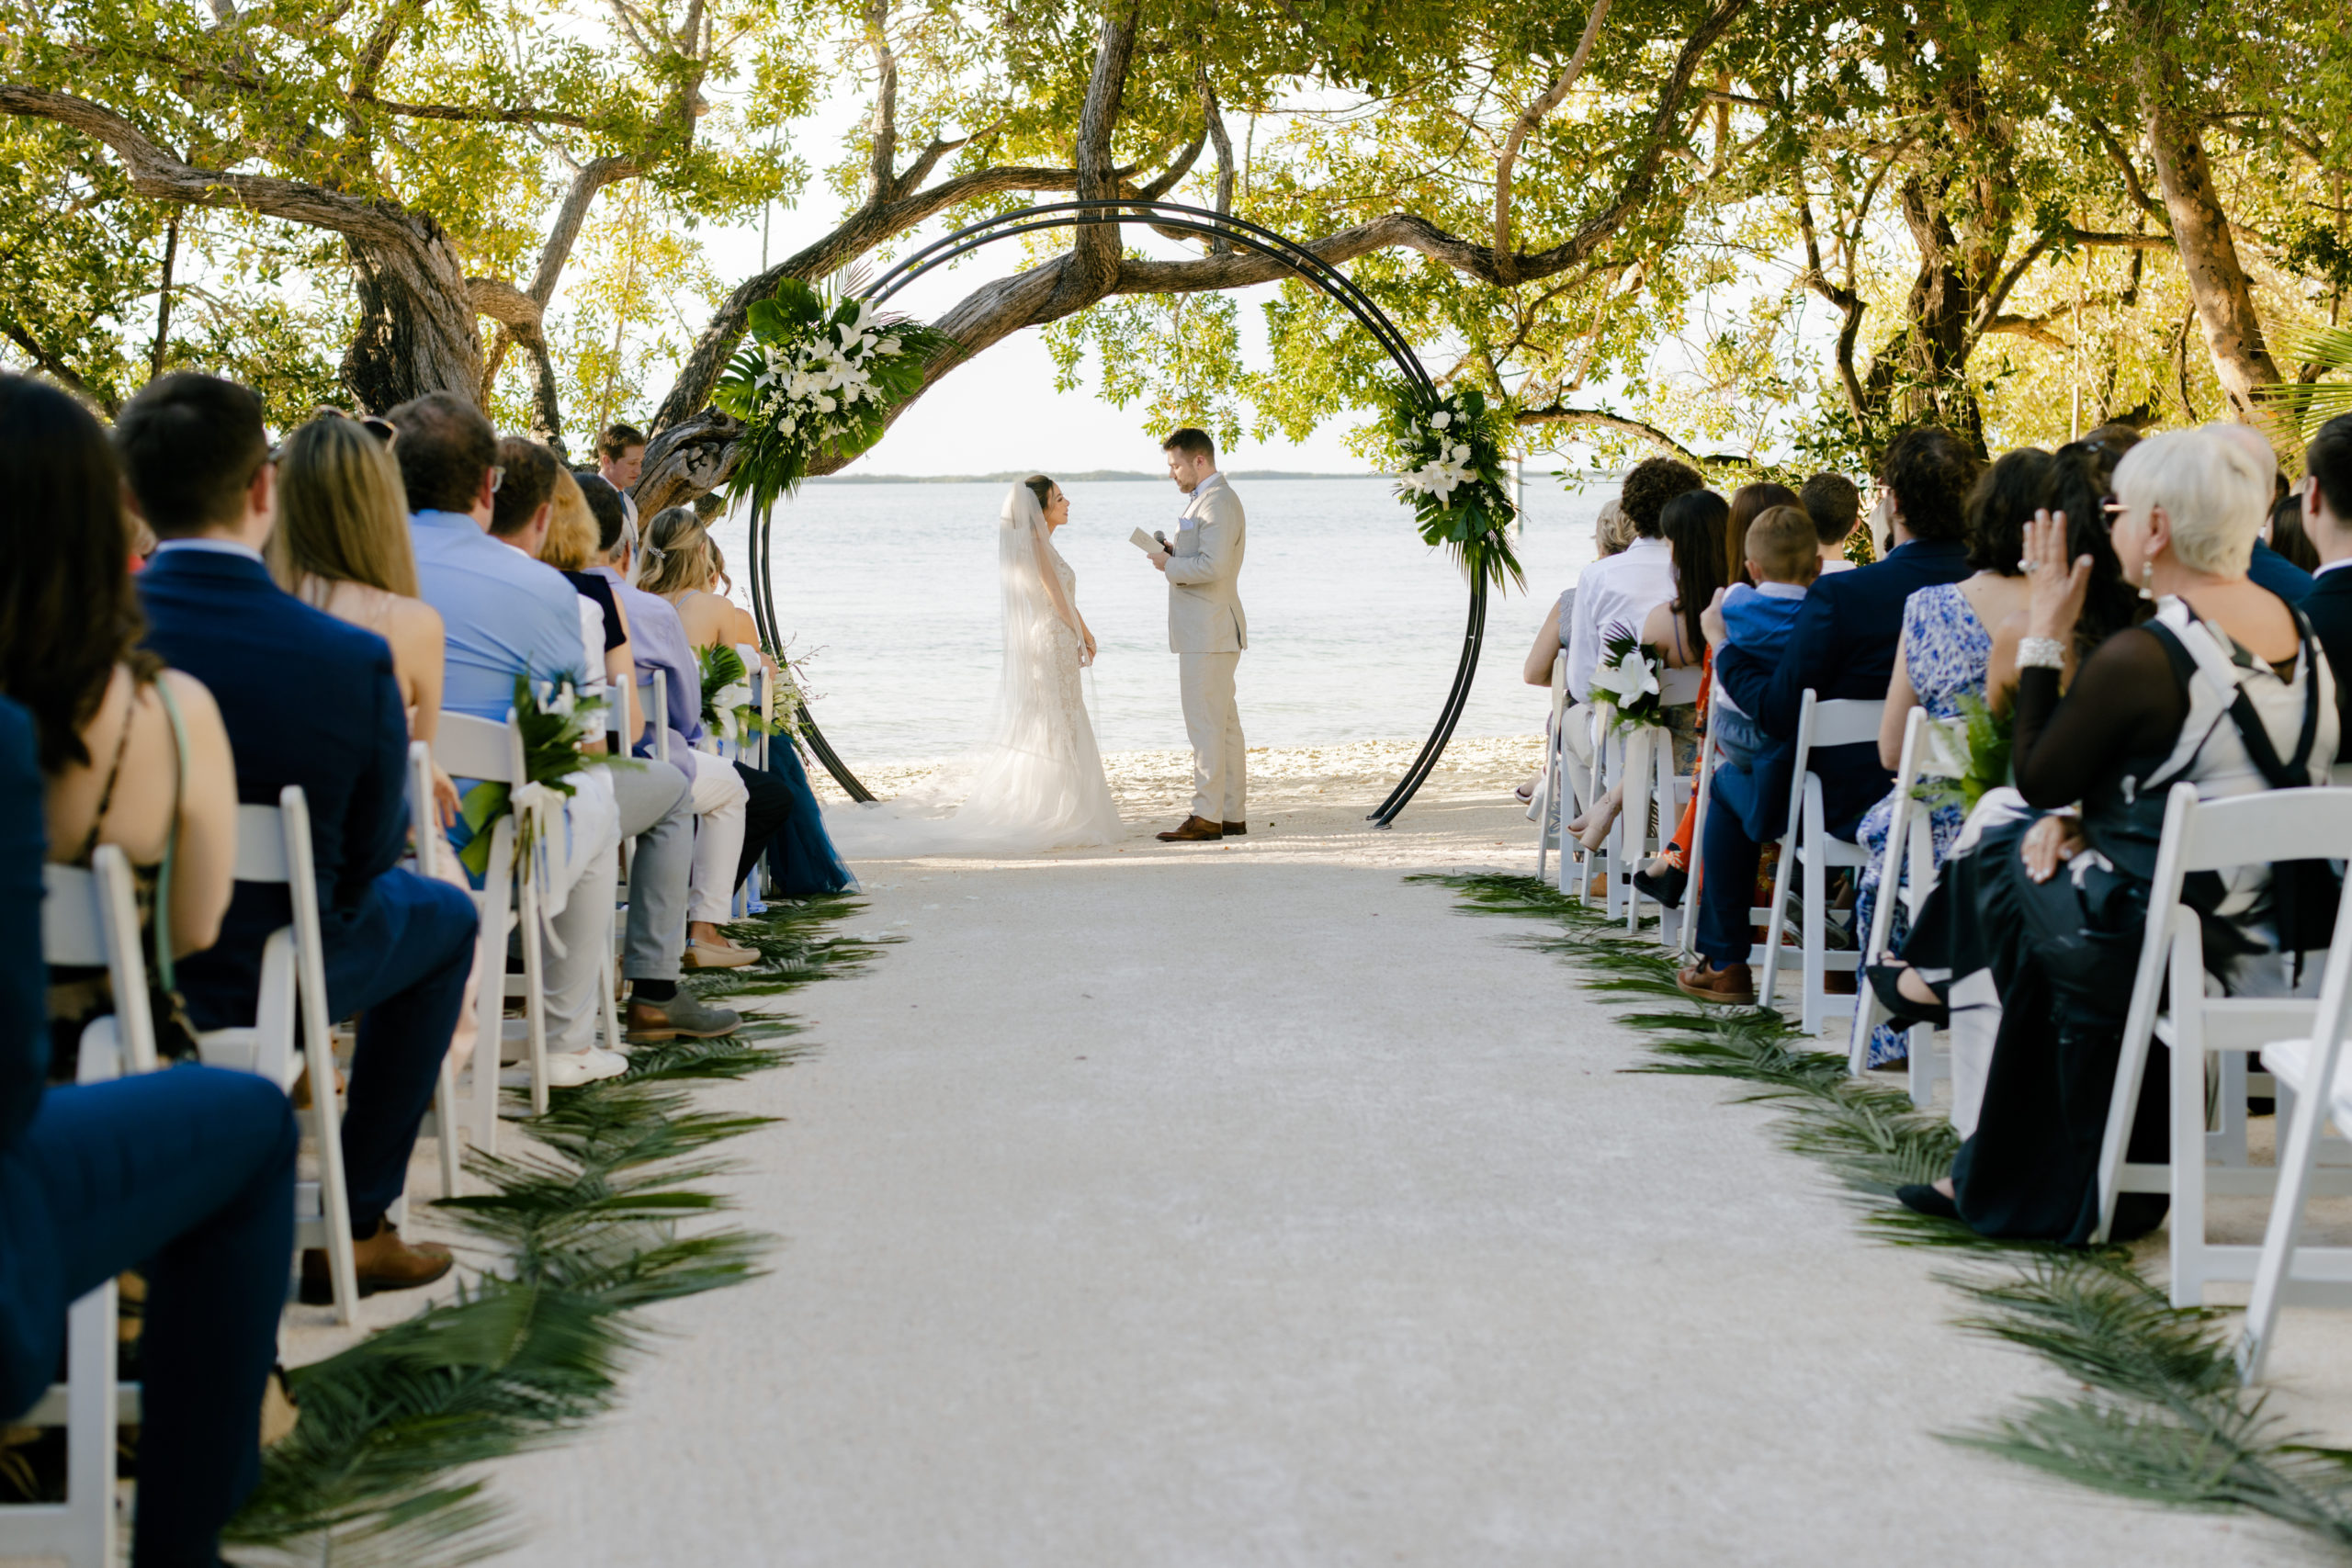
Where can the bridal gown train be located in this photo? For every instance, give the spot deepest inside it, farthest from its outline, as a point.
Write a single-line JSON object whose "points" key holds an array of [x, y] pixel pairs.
{"points": [[1036, 782]]}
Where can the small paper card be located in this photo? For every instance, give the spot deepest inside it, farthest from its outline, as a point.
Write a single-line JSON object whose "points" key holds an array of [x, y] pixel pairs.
{"points": [[1144, 542]]}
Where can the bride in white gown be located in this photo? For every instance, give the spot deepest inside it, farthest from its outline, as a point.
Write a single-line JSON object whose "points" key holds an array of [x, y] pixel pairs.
{"points": [[1036, 782]]}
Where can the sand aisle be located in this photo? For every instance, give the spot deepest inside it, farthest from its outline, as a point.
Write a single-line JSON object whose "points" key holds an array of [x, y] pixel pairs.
{"points": [[1248, 1206]]}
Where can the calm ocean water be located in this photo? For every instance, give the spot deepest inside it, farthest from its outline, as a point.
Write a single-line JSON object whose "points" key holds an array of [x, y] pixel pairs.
{"points": [[1355, 626]]}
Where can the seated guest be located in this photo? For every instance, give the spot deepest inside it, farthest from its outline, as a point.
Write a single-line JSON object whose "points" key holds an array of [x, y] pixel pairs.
{"points": [[1783, 558], [1842, 647], [187, 1174], [1620, 591], [680, 564], [1942, 660], [2284, 532], [506, 616], [308, 700], [1612, 532], [2267, 567], [1747, 503], [2325, 496], [341, 545], [2221, 689], [1835, 506], [655, 800], [135, 755]]}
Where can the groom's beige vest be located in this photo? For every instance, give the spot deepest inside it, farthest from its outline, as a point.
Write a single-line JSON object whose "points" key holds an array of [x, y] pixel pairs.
{"points": [[1204, 574]]}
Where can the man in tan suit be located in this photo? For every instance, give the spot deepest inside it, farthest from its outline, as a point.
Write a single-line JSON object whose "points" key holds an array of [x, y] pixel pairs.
{"points": [[1206, 632]]}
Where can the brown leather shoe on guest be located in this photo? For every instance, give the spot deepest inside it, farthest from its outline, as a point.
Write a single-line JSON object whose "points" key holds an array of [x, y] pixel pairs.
{"points": [[1731, 984], [383, 1262], [1234, 829], [1195, 831]]}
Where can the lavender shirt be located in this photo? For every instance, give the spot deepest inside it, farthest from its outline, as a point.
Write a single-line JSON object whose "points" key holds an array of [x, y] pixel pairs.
{"points": [[657, 639]]}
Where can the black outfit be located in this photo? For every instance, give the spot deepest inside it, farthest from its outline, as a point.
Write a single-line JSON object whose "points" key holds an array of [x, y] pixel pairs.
{"points": [[2328, 607], [593, 587], [771, 806], [2062, 953]]}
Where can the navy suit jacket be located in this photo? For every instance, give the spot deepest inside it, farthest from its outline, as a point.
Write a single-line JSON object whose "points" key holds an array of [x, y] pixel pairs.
{"points": [[2272, 570], [308, 700], [24, 979], [1842, 646], [2328, 607]]}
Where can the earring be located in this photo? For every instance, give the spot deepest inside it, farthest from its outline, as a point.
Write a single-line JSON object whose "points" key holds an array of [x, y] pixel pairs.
{"points": [[2147, 579]]}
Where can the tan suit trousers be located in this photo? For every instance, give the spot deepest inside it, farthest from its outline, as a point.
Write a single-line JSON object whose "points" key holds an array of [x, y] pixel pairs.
{"points": [[1220, 758]]}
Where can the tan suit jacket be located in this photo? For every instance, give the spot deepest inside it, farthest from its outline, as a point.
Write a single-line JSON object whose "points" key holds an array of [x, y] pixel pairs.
{"points": [[1205, 574]]}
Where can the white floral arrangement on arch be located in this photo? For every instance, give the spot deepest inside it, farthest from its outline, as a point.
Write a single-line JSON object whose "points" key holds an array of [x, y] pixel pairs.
{"points": [[1449, 454], [817, 376]]}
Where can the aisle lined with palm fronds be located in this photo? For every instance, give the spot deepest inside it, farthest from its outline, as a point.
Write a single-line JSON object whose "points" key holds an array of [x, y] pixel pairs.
{"points": [[589, 1220], [2159, 1416]]}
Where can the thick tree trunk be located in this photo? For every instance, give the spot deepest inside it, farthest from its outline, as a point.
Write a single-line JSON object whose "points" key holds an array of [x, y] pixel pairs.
{"points": [[2209, 256], [416, 330]]}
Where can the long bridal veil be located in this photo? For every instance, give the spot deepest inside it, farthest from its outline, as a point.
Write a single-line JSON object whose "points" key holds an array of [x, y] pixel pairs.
{"points": [[1037, 782]]}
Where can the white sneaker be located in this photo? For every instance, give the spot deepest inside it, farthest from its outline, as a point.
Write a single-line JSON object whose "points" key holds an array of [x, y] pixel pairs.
{"points": [[569, 1070]]}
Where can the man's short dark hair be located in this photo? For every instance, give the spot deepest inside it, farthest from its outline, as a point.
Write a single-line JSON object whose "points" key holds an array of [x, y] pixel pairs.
{"points": [[1931, 472], [191, 446], [604, 503], [617, 439], [444, 445], [1650, 485], [2328, 459], [1190, 441], [1833, 503], [530, 469]]}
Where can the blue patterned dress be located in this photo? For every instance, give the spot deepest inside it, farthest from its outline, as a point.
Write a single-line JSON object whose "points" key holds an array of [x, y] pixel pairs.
{"points": [[1946, 650]]}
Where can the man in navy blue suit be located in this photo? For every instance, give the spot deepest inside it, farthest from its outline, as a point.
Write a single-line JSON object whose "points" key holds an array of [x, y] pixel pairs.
{"points": [[308, 700], [1842, 647], [2326, 495], [189, 1174]]}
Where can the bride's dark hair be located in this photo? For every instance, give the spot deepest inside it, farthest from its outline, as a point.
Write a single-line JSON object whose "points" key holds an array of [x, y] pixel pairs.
{"points": [[1041, 488]]}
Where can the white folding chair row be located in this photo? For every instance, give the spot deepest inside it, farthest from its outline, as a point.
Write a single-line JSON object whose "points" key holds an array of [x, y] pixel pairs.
{"points": [[1932, 749], [470, 747], [2314, 1085], [1807, 843], [1549, 812], [2173, 1000], [90, 918], [290, 1015]]}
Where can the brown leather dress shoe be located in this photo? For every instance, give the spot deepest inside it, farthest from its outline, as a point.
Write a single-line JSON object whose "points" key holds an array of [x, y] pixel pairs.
{"points": [[382, 1261], [1234, 829], [1195, 831], [1731, 984]]}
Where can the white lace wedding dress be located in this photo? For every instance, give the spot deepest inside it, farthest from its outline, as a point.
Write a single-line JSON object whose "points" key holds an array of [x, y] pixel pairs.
{"points": [[1036, 782]]}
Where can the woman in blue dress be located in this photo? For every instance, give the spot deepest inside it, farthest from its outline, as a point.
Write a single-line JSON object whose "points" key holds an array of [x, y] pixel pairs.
{"points": [[801, 860], [1947, 648]]}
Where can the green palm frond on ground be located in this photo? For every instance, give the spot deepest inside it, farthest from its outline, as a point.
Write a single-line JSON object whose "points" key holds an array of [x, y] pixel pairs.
{"points": [[2161, 1418], [383, 1469]]}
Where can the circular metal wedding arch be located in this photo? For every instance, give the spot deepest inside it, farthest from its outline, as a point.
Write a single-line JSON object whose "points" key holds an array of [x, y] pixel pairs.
{"points": [[1300, 263]]}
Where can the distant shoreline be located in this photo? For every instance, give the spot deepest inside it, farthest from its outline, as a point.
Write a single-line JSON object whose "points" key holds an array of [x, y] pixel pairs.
{"points": [[1095, 476]]}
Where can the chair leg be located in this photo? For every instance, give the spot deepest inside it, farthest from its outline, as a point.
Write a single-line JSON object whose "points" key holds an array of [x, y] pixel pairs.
{"points": [[1772, 928], [535, 997], [2186, 1224], [444, 1117], [1809, 1005], [2227, 1142], [90, 1336], [2305, 1120]]}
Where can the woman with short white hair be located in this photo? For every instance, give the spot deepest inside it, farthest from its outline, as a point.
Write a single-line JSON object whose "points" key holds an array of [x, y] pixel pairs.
{"points": [[2036, 1009]]}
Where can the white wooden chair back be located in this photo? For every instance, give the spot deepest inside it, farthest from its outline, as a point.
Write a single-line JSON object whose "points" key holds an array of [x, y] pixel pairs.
{"points": [[292, 1019], [2314, 1088], [474, 748], [1932, 749], [657, 715], [1807, 844], [90, 918], [2171, 1001], [1549, 807]]}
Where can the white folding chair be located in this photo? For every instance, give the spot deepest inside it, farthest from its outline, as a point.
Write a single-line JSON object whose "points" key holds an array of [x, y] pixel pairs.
{"points": [[1653, 785], [1807, 843], [2314, 1087], [470, 747], [424, 829], [657, 715], [1932, 749], [90, 918], [1548, 812], [2214, 835], [274, 848]]}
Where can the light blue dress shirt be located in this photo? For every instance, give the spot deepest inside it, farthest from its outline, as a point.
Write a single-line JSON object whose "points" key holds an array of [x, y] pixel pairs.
{"points": [[502, 612]]}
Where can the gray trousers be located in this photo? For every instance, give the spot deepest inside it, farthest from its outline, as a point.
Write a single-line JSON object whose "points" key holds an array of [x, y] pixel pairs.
{"points": [[1220, 757], [657, 810]]}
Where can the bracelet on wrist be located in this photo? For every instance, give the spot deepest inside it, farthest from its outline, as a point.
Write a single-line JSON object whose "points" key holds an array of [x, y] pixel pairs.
{"points": [[2040, 653]]}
